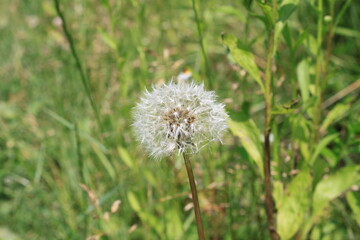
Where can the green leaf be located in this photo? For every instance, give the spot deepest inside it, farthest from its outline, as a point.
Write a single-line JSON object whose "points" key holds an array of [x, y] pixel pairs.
{"points": [[286, 10], [279, 26], [353, 198], [333, 186], [334, 115], [250, 138], [267, 10], [278, 193], [301, 134], [294, 205], [311, 44], [280, 110], [174, 225], [347, 32], [318, 170], [134, 203], [303, 77], [285, 108], [154, 221], [107, 39], [146, 217], [299, 40], [321, 145], [150, 177], [105, 161], [329, 188], [243, 57], [330, 157], [125, 156], [287, 36]]}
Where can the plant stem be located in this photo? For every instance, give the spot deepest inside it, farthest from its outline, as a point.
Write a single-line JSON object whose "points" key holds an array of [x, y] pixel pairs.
{"points": [[195, 199], [269, 202], [339, 95], [318, 76], [329, 46], [202, 46], [83, 77], [330, 36]]}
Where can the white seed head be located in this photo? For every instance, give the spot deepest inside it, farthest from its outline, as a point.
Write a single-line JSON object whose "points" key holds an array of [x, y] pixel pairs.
{"points": [[178, 117]]}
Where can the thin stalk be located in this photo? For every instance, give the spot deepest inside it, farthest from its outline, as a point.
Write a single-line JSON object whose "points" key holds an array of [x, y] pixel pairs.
{"points": [[318, 76], [83, 77], [202, 46], [269, 202], [195, 199], [346, 91], [330, 36], [329, 41], [81, 173]]}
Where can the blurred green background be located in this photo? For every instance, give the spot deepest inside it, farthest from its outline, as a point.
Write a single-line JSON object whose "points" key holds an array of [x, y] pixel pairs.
{"points": [[63, 168]]}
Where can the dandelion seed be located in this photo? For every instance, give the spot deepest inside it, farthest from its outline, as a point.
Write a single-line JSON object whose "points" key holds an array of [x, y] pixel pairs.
{"points": [[178, 118]]}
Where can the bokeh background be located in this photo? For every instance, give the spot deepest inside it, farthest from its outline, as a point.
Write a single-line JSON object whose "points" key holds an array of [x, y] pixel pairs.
{"points": [[71, 169]]}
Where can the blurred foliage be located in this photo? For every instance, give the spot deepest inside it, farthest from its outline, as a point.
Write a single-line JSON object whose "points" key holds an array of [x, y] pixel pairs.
{"points": [[62, 171]]}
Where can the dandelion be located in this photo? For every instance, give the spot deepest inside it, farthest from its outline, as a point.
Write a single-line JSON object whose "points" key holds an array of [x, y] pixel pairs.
{"points": [[178, 118]]}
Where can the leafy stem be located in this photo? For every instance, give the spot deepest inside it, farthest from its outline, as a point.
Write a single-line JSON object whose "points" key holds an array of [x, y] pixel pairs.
{"points": [[269, 202], [319, 75]]}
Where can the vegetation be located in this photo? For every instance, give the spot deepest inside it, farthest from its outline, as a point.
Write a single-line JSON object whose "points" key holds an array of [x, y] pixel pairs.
{"points": [[72, 71]]}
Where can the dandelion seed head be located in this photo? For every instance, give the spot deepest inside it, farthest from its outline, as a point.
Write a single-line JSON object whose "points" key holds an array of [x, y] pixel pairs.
{"points": [[177, 118]]}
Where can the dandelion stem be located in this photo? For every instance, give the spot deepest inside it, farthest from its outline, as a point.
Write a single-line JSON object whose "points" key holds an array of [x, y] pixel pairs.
{"points": [[194, 194]]}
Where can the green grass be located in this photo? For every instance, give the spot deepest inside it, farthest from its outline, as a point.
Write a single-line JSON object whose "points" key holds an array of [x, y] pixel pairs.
{"points": [[51, 141]]}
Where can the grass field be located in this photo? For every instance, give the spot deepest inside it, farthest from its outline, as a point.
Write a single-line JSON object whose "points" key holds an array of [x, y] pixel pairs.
{"points": [[288, 72]]}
